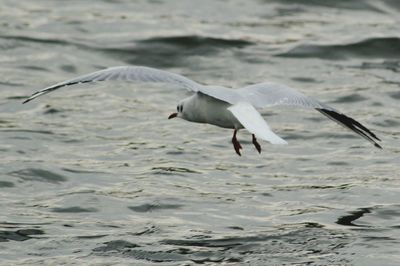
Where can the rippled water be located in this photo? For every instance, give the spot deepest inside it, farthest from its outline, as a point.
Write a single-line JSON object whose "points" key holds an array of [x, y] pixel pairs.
{"points": [[98, 175]]}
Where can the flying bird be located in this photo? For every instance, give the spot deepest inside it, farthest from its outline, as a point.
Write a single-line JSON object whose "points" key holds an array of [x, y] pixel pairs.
{"points": [[220, 106]]}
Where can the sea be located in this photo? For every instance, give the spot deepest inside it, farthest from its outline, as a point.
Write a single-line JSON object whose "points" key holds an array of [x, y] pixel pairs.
{"points": [[95, 174]]}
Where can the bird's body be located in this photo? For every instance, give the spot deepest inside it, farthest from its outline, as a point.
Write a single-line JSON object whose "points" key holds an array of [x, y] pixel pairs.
{"points": [[201, 108], [223, 107]]}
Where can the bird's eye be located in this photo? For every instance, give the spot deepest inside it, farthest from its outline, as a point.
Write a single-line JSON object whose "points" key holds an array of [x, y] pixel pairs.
{"points": [[177, 108], [181, 108]]}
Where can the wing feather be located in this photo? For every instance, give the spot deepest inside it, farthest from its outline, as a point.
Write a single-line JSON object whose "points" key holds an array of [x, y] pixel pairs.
{"points": [[271, 94], [251, 119], [125, 73]]}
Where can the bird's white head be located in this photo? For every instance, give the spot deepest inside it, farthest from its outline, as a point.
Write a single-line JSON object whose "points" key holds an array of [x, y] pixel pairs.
{"points": [[190, 109], [180, 111]]}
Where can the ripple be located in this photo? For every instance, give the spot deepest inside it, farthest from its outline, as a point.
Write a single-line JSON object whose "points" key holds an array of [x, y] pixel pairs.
{"points": [[148, 207], [349, 219], [16, 98], [294, 244], [356, 5], [69, 68], [393, 65], [193, 41], [388, 212], [52, 110], [35, 174], [74, 209], [171, 51], [352, 98], [338, 163], [156, 51], [6, 184], [115, 245], [395, 95], [163, 170], [128, 249], [306, 187], [90, 236], [29, 39], [46, 132], [388, 123], [305, 79], [388, 48], [19, 235]]}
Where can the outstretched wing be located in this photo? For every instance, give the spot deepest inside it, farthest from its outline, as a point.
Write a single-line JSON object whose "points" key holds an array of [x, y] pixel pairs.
{"points": [[251, 119], [125, 73], [271, 94]]}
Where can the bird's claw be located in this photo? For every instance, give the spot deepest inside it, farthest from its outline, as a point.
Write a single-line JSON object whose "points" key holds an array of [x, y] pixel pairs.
{"points": [[237, 147], [236, 144], [256, 144]]}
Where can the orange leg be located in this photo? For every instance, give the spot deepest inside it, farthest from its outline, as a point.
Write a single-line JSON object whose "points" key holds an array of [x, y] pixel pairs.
{"points": [[256, 144], [236, 144]]}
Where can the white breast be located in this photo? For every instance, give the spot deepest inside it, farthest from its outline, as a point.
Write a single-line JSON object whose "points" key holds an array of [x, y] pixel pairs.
{"points": [[201, 108]]}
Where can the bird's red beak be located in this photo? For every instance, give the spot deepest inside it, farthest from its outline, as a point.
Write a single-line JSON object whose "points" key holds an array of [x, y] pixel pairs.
{"points": [[172, 115]]}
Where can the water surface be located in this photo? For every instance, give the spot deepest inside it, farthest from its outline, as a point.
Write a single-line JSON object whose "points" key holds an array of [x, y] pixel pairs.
{"points": [[98, 175]]}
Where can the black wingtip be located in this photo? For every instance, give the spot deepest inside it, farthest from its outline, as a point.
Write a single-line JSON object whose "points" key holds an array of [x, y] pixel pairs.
{"points": [[352, 124], [378, 146], [26, 101]]}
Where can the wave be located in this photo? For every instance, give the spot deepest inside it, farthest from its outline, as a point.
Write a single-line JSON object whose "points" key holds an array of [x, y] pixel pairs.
{"points": [[19, 235], [155, 51], [365, 5], [149, 207], [36, 174], [172, 51], [385, 47], [254, 248]]}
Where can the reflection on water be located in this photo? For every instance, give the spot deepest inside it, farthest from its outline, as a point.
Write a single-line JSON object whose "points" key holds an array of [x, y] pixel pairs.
{"points": [[98, 174]]}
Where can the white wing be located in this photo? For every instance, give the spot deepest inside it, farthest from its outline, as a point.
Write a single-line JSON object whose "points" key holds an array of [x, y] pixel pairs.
{"points": [[271, 94], [126, 73], [254, 123]]}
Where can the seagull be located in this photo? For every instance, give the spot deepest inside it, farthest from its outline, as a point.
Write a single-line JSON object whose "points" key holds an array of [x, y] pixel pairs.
{"points": [[220, 106]]}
